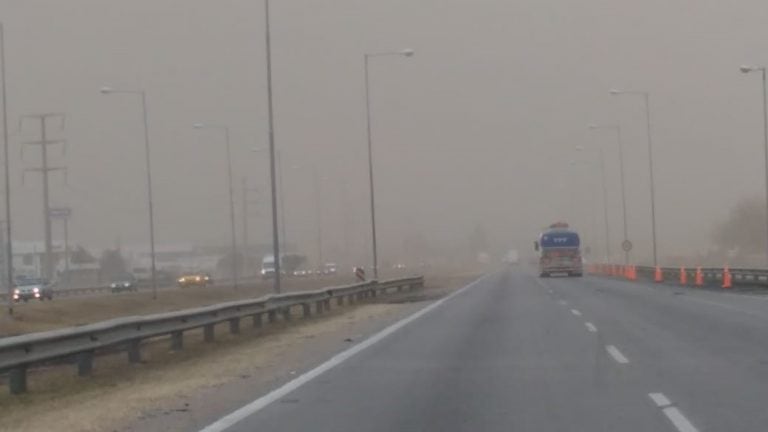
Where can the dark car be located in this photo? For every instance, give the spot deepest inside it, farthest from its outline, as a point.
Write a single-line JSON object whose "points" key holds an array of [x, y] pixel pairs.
{"points": [[126, 282], [32, 289]]}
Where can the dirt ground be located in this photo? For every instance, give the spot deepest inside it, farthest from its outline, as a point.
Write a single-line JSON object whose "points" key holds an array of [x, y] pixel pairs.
{"points": [[172, 391]]}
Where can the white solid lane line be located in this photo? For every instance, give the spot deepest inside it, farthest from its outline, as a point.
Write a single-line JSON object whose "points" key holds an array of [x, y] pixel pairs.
{"points": [[575, 312], [591, 327], [616, 354], [659, 399], [233, 418], [563, 302]]}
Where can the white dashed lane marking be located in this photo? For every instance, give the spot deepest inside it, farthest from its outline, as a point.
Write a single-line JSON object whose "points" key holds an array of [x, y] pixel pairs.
{"points": [[616, 354], [575, 312], [591, 327], [659, 399], [673, 413]]}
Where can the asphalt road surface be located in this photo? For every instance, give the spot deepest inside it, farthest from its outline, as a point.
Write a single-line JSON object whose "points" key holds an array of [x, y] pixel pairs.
{"points": [[512, 352]]}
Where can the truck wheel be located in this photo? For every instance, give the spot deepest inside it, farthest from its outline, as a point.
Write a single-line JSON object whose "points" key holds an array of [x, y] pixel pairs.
{"points": [[544, 274]]}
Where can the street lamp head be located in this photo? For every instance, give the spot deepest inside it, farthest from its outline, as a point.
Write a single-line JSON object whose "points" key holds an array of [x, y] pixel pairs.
{"points": [[258, 149], [746, 68], [106, 90], [593, 126], [407, 52], [614, 91], [198, 125], [579, 148]]}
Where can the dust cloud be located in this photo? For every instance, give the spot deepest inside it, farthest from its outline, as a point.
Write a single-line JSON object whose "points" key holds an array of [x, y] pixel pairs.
{"points": [[475, 137]]}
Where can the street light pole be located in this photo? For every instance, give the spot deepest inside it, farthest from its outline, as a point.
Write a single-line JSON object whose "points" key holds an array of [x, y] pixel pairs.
{"points": [[646, 99], [280, 194], [367, 56], [605, 201], [762, 70], [7, 178], [272, 168], [617, 129], [142, 94], [235, 257]]}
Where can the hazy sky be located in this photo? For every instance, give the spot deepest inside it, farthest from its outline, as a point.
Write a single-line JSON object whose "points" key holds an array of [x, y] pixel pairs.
{"points": [[478, 127]]}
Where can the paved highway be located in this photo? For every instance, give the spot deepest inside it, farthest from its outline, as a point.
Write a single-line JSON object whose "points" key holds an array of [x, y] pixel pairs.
{"points": [[512, 352]]}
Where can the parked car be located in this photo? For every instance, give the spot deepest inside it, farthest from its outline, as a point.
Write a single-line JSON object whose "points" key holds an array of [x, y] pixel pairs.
{"points": [[125, 282], [32, 289]]}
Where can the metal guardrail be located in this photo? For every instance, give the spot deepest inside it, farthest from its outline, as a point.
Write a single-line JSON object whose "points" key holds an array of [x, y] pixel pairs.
{"points": [[710, 275], [19, 353]]}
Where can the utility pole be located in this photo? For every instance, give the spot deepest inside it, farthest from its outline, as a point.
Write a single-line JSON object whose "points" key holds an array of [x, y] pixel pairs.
{"points": [[8, 250], [246, 203], [347, 221], [245, 216], [44, 169], [63, 214], [318, 189]]}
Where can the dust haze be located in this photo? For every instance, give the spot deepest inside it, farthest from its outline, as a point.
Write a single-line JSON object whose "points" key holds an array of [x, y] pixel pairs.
{"points": [[473, 136]]}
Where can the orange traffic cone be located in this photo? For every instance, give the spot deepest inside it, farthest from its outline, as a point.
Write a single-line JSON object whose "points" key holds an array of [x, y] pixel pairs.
{"points": [[630, 273], [683, 276], [727, 279], [658, 276], [699, 280]]}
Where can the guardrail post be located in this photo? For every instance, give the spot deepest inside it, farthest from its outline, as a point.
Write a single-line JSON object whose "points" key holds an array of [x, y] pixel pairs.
{"points": [[208, 333], [257, 321], [272, 316], [177, 341], [327, 304], [306, 310], [351, 299], [340, 301], [17, 380], [319, 306], [234, 325], [373, 292], [84, 363], [134, 351], [286, 311], [400, 288]]}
